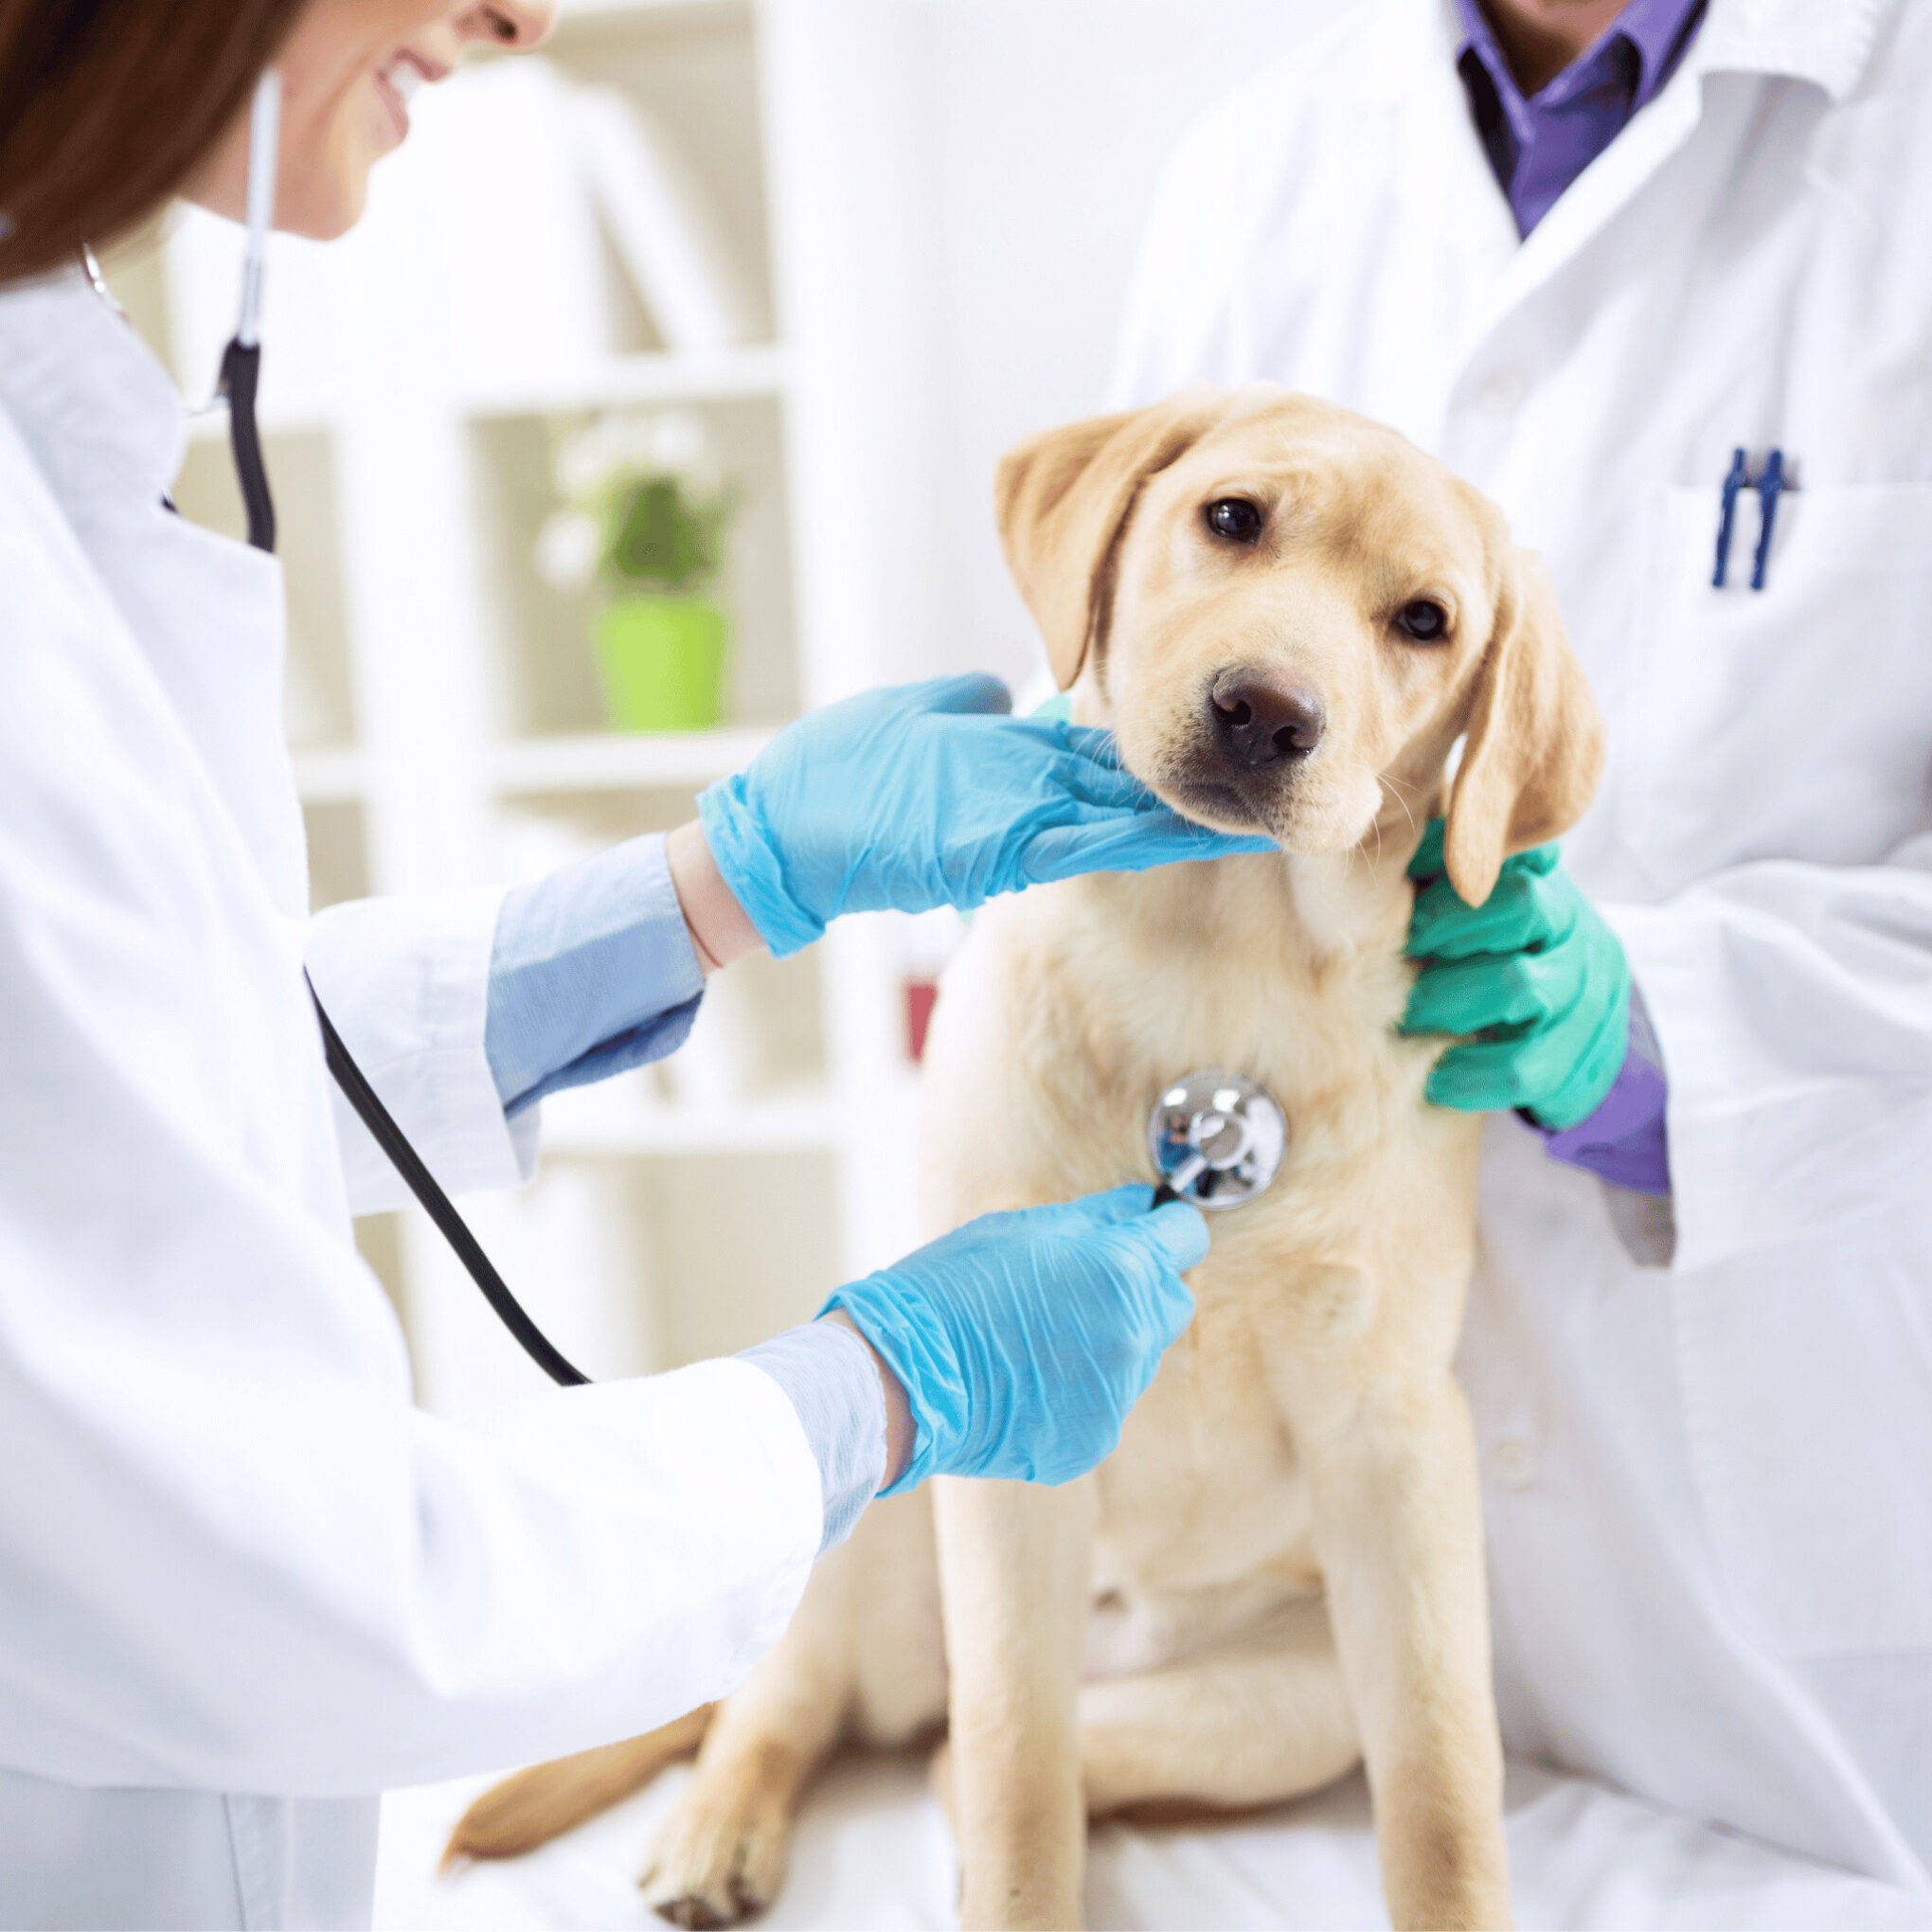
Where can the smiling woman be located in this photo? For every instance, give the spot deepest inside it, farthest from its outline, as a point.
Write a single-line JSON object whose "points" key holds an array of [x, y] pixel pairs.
{"points": [[250, 1583]]}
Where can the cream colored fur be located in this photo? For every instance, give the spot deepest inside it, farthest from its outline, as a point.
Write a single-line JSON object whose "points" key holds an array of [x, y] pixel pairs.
{"points": [[1278, 1573]]}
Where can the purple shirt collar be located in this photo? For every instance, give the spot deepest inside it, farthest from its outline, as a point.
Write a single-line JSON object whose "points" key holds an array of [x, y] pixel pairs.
{"points": [[1539, 146]]}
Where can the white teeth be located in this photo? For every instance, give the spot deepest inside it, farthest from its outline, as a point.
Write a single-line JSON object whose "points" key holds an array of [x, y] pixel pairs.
{"points": [[405, 77]]}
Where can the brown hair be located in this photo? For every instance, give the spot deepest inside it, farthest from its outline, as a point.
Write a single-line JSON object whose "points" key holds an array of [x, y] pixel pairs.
{"points": [[106, 107]]}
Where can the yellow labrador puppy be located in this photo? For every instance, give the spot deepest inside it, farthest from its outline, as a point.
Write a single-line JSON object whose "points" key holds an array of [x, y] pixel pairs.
{"points": [[1289, 617]]}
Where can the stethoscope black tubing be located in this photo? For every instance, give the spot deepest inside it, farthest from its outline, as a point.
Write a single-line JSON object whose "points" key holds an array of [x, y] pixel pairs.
{"points": [[437, 1205], [241, 368], [241, 372]]}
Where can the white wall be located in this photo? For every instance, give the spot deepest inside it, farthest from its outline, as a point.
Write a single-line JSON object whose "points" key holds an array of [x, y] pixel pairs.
{"points": [[1055, 117], [970, 178]]}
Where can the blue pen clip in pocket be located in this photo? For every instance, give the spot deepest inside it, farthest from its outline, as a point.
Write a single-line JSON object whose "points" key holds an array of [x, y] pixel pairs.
{"points": [[1770, 484], [1736, 479]]}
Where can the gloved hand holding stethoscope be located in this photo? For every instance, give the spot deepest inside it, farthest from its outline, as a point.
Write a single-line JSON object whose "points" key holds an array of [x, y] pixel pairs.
{"points": [[925, 796], [906, 799]]}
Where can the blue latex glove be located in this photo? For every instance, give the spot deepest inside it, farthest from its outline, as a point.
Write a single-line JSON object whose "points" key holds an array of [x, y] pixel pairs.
{"points": [[930, 794], [1023, 1339], [1533, 974]]}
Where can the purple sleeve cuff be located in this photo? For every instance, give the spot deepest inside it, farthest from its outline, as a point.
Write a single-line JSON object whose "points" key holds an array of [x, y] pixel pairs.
{"points": [[1623, 1142]]}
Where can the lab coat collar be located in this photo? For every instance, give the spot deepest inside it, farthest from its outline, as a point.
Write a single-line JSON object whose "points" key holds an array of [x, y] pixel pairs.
{"points": [[99, 412], [1826, 45], [1830, 46], [1829, 43]]}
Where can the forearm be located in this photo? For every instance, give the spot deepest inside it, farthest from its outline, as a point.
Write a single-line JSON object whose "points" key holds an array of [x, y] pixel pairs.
{"points": [[718, 925], [851, 1406]]}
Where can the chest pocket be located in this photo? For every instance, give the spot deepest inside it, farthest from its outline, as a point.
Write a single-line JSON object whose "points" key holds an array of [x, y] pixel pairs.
{"points": [[1794, 722]]}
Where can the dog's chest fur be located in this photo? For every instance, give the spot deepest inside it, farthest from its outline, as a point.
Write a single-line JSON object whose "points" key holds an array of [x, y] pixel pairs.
{"points": [[1069, 1012]]}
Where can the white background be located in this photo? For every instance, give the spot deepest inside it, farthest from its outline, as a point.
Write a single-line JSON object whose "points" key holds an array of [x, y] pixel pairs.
{"points": [[997, 157]]}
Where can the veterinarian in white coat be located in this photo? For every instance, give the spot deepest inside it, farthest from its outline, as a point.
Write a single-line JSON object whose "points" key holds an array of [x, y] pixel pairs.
{"points": [[244, 1583], [1708, 1463]]}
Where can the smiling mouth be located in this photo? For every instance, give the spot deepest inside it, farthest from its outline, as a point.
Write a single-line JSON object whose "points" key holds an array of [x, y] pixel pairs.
{"points": [[397, 80]]}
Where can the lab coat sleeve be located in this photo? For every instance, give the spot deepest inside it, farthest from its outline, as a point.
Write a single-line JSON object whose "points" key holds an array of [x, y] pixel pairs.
{"points": [[235, 1557], [1793, 1004], [406, 983], [233, 1569]]}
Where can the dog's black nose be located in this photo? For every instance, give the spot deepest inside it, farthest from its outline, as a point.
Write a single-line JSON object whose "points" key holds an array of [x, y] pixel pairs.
{"points": [[1260, 724]]}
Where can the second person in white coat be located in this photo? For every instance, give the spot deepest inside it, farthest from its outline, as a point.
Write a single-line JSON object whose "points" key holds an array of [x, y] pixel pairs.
{"points": [[1588, 255]]}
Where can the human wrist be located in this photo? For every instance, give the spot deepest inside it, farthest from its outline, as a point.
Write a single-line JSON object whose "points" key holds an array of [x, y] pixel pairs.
{"points": [[900, 1431], [720, 929], [1625, 1138]]}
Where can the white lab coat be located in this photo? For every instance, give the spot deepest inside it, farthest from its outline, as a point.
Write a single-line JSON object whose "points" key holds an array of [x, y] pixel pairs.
{"points": [[1708, 1487], [244, 1585]]}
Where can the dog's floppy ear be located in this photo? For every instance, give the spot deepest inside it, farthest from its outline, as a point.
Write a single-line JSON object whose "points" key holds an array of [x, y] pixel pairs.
{"points": [[1534, 747], [1061, 499]]}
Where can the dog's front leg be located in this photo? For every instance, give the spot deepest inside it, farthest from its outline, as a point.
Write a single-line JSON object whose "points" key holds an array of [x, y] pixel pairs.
{"points": [[1015, 1562], [1399, 1534]]}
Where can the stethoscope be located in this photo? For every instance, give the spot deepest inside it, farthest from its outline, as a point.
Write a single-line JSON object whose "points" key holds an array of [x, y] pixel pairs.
{"points": [[1217, 1138]]}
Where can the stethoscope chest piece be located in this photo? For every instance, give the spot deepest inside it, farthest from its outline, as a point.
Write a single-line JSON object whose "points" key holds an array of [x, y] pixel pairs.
{"points": [[1217, 1138]]}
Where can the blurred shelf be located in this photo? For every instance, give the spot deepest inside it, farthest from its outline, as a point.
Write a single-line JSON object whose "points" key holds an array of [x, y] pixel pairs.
{"points": [[616, 761], [698, 376], [337, 776], [792, 1124]]}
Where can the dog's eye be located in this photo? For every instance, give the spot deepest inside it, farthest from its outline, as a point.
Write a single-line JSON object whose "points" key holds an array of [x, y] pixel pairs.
{"points": [[1235, 518], [1422, 620]]}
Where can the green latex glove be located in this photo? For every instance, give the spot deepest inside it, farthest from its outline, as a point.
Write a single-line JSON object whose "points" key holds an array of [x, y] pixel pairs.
{"points": [[1535, 979]]}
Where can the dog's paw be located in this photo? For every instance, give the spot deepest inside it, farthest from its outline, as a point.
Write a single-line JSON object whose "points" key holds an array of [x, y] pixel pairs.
{"points": [[715, 1863]]}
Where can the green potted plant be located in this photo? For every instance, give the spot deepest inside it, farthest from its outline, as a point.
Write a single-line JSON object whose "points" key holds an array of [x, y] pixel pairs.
{"points": [[647, 505]]}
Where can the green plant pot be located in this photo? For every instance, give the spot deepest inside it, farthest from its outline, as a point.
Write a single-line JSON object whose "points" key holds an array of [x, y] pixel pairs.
{"points": [[662, 659]]}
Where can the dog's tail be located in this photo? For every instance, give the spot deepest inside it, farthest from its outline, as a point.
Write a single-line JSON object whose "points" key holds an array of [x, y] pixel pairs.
{"points": [[540, 1804]]}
